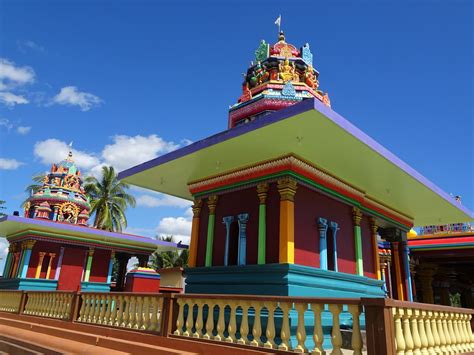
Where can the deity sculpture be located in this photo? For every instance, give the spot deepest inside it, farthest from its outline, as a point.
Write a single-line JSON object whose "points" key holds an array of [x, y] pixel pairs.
{"points": [[287, 71], [260, 73], [310, 78]]}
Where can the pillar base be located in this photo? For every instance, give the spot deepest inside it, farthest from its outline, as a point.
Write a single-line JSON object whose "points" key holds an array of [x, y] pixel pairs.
{"points": [[26, 284], [280, 280]]}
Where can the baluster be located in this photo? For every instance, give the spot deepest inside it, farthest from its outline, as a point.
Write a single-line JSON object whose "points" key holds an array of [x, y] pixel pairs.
{"points": [[49, 303], [154, 315], [452, 334], [199, 323], [354, 310], [159, 313], [232, 327], [415, 332], [61, 301], [459, 318], [90, 308], [409, 344], [97, 305], [81, 311], [244, 324], [285, 328], [126, 312], [138, 313], [132, 312], [336, 337], [120, 311], [469, 335], [108, 309], [422, 330], [318, 335], [63, 306], [220, 322], [444, 322], [456, 335], [102, 306], [146, 313], [112, 310], [270, 331], [429, 332], [188, 318], [300, 330], [399, 339], [179, 319], [439, 328], [54, 299], [257, 326], [209, 327], [465, 325]]}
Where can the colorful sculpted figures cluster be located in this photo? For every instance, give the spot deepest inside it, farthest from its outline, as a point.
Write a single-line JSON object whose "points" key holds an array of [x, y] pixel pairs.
{"points": [[61, 197], [277, 66]]}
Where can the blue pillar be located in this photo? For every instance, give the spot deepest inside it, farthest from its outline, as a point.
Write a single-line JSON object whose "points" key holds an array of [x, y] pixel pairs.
{"points": [[227, 221], [242, 251], [323, 246], [26, 258], [19, 269], [111, 267], [334, 229], [406, 262]]}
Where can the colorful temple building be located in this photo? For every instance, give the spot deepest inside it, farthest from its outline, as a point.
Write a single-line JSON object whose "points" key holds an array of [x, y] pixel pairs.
{"points": [[52, 248], [292, 199], [443, 257]]}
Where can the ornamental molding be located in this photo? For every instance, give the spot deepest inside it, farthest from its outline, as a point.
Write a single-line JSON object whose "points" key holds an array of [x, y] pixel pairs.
{"points": [[295, 164]]}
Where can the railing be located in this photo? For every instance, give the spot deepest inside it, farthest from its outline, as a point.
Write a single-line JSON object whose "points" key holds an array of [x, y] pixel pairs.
{"points": [[252, 320], [10, 301], [124, 310], [49, 304], [273, 323]]}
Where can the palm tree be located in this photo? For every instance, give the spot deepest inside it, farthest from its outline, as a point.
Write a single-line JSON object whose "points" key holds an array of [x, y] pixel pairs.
{"points": [[109, 200], [169, 259], [33, 188]]}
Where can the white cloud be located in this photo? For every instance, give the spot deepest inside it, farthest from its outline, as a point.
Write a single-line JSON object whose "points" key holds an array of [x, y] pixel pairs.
{"points": [[128, 151], [6, 123], [179, 227], [53, 150], [71, 96], [25, 46], [12, 75], [9, 164], [23, 129], [3, 253], [161, 200], [11, 99]]}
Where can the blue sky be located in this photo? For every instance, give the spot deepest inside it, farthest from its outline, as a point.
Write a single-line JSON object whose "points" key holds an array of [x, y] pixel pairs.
{"points": [[129, 80]]}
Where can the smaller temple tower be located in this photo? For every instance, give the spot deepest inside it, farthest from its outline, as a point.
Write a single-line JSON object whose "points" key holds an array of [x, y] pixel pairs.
{"points": [[61, 198]]}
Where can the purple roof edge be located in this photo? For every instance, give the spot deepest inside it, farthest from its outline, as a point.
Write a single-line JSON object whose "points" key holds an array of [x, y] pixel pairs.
{"points": [[76, 228], [306, 105]]}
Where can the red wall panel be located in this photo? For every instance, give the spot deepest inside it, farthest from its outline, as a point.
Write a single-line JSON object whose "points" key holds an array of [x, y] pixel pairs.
{"points": [[272, 245], [71, 269], [48, 247], [100, 265], [367, 249], [309, 206]]}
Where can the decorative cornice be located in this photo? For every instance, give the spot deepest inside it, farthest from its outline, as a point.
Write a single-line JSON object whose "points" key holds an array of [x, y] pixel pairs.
{"points": [[356, 216], [212, 203], [287, 188], [267, 170], [197, 207], [262, 192]]}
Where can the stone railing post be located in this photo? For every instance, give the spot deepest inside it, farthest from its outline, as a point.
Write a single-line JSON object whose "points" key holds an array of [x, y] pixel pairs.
{"points": [[379, 326]]}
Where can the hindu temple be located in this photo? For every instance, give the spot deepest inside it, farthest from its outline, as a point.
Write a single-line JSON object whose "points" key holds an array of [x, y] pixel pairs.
{"points": [[293, 199], [52, 247]]}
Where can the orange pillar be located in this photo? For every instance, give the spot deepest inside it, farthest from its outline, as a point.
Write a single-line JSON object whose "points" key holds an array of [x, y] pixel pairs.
{"points": [[287, 189], [375, 247], [398, 271], [194, 233]]}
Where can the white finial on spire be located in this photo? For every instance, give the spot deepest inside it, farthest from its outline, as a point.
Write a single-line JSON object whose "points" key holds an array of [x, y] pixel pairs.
{"points": [[278, 23], [70, 144]]}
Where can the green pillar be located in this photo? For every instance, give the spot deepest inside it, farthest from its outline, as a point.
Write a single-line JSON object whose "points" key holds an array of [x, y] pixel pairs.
{"points": [[357, 217], [87, 272], [19, 269], [262, 191], [7, 265], [211, 203]]}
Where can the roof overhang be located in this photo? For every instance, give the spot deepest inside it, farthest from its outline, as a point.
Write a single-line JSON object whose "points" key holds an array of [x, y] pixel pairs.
{"points": [[11, 226], [319, 135]]}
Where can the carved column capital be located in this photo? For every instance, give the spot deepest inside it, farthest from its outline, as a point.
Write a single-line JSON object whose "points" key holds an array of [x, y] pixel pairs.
{"points": [[90, 252], [287, 188], [12, 247], [322, 226], [212, 203], [356, 216], [42, 254], [262, 192], [197, 207], [28, 244], [373, 225], [52, 255], [112, 254]]}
